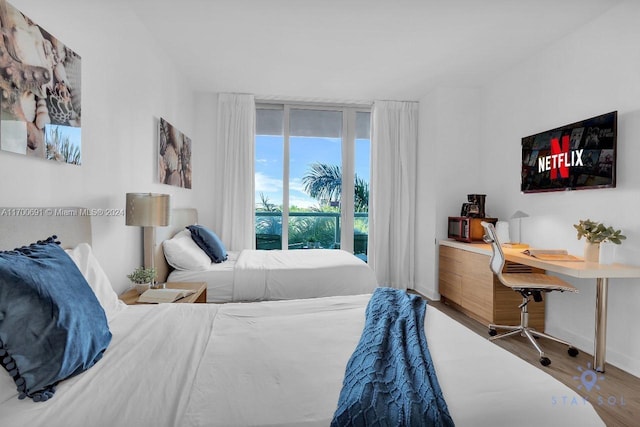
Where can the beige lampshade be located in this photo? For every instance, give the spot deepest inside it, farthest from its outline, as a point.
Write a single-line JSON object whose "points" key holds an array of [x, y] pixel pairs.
{"points": [[148, 209], [519, 215]]}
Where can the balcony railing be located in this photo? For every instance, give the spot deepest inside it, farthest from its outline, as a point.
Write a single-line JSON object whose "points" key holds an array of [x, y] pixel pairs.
{"points": [[309, 230]]}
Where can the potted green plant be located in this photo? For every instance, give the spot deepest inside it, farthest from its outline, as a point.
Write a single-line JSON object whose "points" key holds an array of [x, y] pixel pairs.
{"points": [[595, 234], [311, 242], [143, 278]]}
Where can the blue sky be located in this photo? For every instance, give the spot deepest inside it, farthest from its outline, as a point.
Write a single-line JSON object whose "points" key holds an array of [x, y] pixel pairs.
{"points": [[303, 152]]}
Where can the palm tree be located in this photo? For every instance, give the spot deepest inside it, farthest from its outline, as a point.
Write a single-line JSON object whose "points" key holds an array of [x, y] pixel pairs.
{"points": [[267, 224], [59, 147], [324, 182], [265, 205], [361, 195]]}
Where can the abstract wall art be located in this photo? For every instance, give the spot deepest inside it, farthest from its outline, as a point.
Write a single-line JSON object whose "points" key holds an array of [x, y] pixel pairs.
{"points": [[40, 87]]}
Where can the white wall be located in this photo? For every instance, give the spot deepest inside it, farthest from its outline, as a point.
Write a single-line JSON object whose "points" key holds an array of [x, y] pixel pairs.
{"points": [[449, 154], [592, 71], [208, 160], [127, 84]]}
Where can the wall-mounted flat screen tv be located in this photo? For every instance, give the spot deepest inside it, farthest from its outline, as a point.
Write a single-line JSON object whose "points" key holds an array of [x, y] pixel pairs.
{"points": [[578, 156]]}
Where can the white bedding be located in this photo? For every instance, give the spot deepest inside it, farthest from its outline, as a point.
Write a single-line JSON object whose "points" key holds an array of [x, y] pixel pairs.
{"points": [[258, 275], [277, 363], [218, 277]]}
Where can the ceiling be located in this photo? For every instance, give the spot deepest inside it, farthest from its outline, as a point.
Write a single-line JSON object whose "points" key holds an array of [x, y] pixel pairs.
{"points": [[355, 49]]}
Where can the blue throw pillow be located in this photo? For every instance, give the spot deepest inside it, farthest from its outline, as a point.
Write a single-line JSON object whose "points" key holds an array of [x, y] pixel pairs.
{"points": [[52, 326], [209, 242]]}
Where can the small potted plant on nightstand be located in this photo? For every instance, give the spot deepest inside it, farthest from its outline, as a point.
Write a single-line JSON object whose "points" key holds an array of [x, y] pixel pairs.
{"points": [[143, 278], [596, 233]]}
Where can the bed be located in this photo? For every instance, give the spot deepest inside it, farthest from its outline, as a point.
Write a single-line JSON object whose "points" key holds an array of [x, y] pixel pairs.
{"points": [[277, 363], [258, 275]]}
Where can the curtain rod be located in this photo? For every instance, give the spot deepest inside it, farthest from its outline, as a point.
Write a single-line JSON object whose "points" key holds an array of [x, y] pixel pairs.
{"points": [[269, 99]]}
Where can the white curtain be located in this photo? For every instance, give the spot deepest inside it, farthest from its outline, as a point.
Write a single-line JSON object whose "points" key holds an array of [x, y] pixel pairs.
{"points": [[394, 140], [236, 138]]}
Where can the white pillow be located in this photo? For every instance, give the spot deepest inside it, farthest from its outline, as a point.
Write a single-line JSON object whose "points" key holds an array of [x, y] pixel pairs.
{"points": [[182, 253], [88, 265]]}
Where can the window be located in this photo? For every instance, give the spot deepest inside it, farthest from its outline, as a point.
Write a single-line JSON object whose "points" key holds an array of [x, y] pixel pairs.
{"points": [[361, 183], [304, 154]]}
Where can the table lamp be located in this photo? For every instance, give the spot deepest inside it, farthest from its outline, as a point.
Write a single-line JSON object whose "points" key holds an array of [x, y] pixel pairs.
{"points": [[148, 210], [518, 215]]}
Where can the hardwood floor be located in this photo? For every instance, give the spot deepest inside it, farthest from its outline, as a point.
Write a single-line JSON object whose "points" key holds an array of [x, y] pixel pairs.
{"points": [[615, 394]]}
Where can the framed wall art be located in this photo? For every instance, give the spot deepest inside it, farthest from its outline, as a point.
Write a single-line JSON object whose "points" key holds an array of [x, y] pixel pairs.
{"points": [[174, 156], [40, 80]]}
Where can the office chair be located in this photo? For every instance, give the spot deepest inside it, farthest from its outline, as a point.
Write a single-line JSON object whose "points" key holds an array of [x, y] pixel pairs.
{"points": [[528, 285]]}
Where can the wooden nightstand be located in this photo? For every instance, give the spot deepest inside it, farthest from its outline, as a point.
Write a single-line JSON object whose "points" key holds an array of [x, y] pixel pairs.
{"points": [[200, 296]]}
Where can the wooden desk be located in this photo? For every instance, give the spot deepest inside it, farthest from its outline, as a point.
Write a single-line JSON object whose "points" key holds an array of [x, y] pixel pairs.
{"points": [[579, 269], [200, 296], [467, 284]]}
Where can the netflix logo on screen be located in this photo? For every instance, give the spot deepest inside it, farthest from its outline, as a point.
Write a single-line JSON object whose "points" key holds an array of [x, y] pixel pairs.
{"points": [[578, 156]]}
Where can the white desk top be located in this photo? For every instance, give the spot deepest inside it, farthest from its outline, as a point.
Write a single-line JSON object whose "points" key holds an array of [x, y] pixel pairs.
{"points": [[580, 269]]}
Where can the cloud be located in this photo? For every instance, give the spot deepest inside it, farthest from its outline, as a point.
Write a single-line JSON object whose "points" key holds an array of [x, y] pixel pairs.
{"points": [[295, 184], [302, 202], [272, 188], [267, 184]]}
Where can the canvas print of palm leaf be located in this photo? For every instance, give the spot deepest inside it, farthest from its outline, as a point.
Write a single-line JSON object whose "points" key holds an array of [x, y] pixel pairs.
{"points": [[40, 84], [174, 156]]}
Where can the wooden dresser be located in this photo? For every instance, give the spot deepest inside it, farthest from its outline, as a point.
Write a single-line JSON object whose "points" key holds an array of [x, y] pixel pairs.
{"points": [[467, 284]]}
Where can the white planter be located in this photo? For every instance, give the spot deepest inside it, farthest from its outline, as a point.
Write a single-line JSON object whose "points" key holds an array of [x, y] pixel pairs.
{"points": [[591, 252], [141, 287], [607, 252]]}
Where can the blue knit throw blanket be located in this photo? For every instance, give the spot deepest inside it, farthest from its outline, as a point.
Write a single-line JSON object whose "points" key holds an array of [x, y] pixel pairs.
{"points": [[390, 379]]}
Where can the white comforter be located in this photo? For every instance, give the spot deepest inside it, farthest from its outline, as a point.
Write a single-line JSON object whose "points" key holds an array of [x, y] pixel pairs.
{"points": [[278, 275], [276, 363], [258, 275]]}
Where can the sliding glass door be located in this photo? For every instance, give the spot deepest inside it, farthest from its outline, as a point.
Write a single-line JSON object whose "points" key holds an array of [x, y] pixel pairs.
{"points": [[312, 174]]}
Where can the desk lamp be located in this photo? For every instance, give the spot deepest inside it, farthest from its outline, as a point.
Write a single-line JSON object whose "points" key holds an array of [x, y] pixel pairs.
{"points": [[148, 210], [518, 244]]}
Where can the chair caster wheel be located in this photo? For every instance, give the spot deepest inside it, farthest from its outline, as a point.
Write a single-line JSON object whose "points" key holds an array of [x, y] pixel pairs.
{"points": [[573, 352], [493, 332], [544, 361]]}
